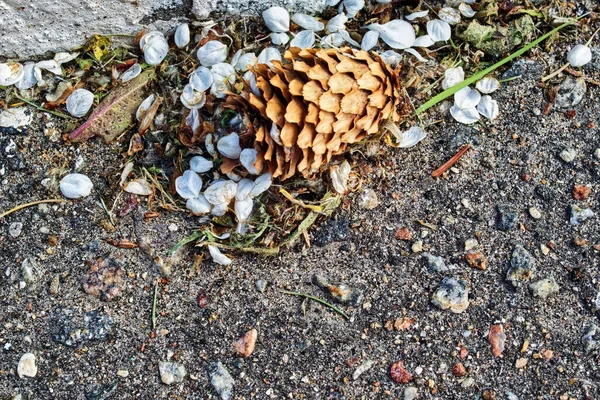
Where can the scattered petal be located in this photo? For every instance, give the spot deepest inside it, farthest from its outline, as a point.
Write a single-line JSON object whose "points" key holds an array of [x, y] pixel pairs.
{"points": [[223, 75], [244, 188], [248, 159], [50, 66], [198, 205], [369, 40], [488, 108], [221, 192], [424, 41], [79, 102], [398, 34], [465, 115], [332, 40], [201, 79], [392, 58], [275, 134], [63, 58], [579, 55], [346, 36], [188, 185], [246, 60], [131, 73], [139, 186], [439, 30], [336, 23], [353, 7], [466, 10], [261, 184], [149, 36], [339, 175], [279, 38], [200, 164], [467, 98], [416, 54], [213, 52], [449, 15], [453, 76], [217, 256], [418, 14], [219, 210], [209, 144], [74, 186], [229, 146], [191, 98], [268, 54], [487, 85], [28, 80], [308, 22], [155, 50], [242, 210], [143, 108], [303, 39], [277, 19], [182, 35], [411, 137], [331, 3]]}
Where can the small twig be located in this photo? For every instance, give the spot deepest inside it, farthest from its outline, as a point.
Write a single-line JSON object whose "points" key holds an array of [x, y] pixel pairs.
{"points": [[40, 108], [440, 171], [318, 300], [107, 212], [154, 305], [558, 71], [512, 78], [33, 203]]}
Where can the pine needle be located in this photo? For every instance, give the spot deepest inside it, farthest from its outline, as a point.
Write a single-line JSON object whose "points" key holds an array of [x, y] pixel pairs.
{"points": [[33, 203], [318, 300]]}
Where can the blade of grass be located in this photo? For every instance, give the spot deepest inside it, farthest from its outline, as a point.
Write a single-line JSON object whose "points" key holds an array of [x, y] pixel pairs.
{"points": [[318, 300], [33, 203], [186, 240], [40, 108], [450, 91]]}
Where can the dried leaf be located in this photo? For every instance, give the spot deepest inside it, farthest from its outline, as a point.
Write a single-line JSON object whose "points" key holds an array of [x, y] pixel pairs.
{"points": [[116, 112]]}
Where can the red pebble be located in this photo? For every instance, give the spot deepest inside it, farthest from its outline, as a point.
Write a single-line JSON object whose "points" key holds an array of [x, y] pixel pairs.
{"points": [[399, 374]]}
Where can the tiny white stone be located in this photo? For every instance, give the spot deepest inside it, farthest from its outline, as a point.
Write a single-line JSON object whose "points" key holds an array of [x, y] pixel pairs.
{"points": [[26, 366], [74, 186], [579, 55]]}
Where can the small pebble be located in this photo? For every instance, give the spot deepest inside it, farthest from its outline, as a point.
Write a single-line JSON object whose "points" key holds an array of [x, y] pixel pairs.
{"points": [[522, 266], [368, 199], [364, 367], [435, 263], [123, 373], [477, 260], [244, 346], [171, 372], [580, 214], [497, 339], [261, 285], [467, 383], [535, 213], [459, 370], [568, 155], [173, 227], [597, 153], [470, 244], [340, 293], [26, 366], [15, 229], [581, 192], [399, 374], [55, 284], [544, 287], [521, 362], [589, 343], [507, 218], [411, 393], [417, 246], [221, 380], [451, 294]]}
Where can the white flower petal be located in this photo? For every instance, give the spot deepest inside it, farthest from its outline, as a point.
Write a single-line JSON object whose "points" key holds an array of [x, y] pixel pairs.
{"points": [[398, 34], [487, 85], [201, 79], [439, 30], [449, 15], [348, 39], [415, 15], [579, 55], [143, 108], [275, 134], [279, 38], [200, 164], [131, 73], [465, 116], [246, 60], [199, 205], [369, 40], [233, 176], [277, 19], [251, 79], [244, 188], [209, 144], [243, 209], [221, 192], [213, 52], [193, 119], [332, 40], [74, 186], [191, 98], [182, 35], [453, 76], [229, 146], [488, 107], [261, 184], [383, 1], [139, 186], [248, 159], [336, 23], [411, 137], [63, 58], [303, 39], [223, 75], [188, 185], [467, 98], [155, 50], [331, 3], [217, 256], [339, 175], [466, 10], [353, 7], [268, 54], [219, 210], [416, 54], [50, 66], [424, 41], [28, 80], [149, 36], [11, 73], [392, 58], [308, 22], [79, 102]]}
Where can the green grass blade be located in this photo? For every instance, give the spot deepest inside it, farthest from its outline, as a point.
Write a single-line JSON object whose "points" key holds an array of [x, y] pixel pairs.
{"points": [[450, 91]]}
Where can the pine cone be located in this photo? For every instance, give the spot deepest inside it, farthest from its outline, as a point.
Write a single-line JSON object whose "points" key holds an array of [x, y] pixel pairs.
{"points": [[316, 103]]}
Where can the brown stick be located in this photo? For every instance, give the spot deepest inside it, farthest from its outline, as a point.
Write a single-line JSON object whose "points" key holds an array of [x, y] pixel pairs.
{"points": [[440, 171]]}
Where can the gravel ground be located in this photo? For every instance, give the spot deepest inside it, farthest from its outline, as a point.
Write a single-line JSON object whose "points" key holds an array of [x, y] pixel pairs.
{"points": [[89, 348]]}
